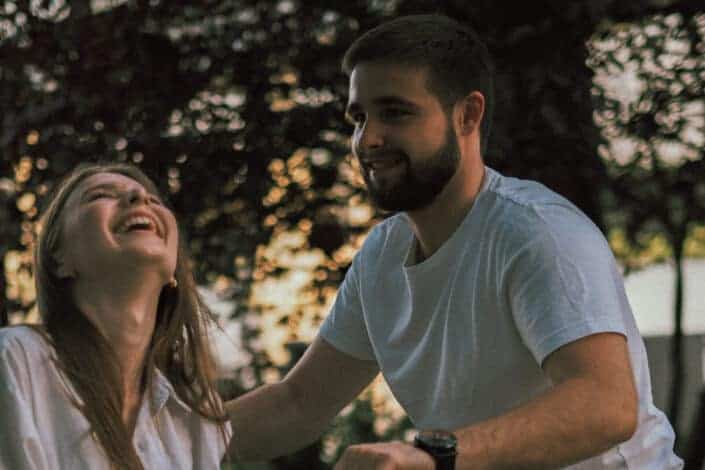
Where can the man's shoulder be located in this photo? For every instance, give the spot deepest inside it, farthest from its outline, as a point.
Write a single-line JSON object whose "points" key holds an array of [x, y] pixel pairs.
{"points": [[530, 207], [394, 222], [393, 229], [385, 245], [522, 195]]}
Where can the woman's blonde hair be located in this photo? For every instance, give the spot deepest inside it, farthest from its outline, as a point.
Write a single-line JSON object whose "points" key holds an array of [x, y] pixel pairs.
{"points": [[178, 347]]}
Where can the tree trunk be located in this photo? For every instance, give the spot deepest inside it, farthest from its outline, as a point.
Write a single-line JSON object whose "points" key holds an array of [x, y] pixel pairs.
{"points": [[695, 455], [677, 343], [80, 9]]}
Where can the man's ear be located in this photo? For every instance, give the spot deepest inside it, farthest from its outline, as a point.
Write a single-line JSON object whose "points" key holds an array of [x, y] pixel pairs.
{"points": [[468, 113]]}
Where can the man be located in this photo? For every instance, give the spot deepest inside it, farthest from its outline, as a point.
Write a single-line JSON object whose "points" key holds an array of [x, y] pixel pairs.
{"points": [[492, 306]]}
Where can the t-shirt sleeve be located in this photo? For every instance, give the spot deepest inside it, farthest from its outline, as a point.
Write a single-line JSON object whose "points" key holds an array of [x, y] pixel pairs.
{"points": [[344, 327], [562, 283], [20, 446]]}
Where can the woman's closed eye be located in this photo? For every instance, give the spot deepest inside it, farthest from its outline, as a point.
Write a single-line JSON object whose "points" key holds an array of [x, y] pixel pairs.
{"points": [[100, 194]]}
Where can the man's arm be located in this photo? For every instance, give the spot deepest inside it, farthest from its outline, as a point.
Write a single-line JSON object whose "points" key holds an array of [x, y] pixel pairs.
{"points": [[279, 419], [591, 407]]}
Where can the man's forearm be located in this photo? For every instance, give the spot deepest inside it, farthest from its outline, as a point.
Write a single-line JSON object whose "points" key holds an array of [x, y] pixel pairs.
{"points": [[267, 423], [279, 419], [570, 422]]}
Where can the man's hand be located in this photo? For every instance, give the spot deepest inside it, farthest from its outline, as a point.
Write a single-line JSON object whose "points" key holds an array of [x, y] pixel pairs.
{"points": [[385, 456]]}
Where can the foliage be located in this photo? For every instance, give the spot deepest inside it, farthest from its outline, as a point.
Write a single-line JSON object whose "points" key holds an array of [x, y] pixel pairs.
{"points": [[237, 102], [650, 106]]}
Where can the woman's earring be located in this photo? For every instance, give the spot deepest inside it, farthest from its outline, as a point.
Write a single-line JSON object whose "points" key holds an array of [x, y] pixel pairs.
{"points": [[173, 283]]}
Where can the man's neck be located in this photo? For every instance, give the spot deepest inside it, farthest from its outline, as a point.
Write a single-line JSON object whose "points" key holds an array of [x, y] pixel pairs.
{"points": [[435, 224]]}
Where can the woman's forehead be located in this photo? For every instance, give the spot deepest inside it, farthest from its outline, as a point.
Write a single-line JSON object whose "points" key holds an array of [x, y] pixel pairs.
{"points": [[104, 179], [107, 179]]}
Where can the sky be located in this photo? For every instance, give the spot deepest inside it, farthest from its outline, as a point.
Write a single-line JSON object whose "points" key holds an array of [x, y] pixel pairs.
{"points": [[651, 295]]}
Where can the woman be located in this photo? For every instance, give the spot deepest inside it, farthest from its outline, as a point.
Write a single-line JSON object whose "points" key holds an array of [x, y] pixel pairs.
{"points": [[119, 375]]}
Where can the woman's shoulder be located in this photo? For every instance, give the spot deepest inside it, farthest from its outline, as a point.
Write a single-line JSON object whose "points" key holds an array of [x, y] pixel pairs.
{"points": [[23, 342]]}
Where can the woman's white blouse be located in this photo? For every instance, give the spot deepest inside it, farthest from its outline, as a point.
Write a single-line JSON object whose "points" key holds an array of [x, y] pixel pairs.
{"points": [[40, 429]]}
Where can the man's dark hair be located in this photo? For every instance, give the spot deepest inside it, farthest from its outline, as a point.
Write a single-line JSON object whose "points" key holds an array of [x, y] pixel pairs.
{"points": [[457, 62]]}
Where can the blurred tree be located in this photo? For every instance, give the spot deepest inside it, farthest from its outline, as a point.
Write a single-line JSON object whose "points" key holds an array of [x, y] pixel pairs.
{"points": [[9, 237], [651, 107], [236, 101]]}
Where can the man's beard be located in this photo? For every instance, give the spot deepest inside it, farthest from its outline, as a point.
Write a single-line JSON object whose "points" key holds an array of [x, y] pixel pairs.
{"points": [[418, 186]]}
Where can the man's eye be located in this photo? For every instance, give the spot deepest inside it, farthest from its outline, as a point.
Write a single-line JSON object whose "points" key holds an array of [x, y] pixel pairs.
{"points": [[155, 200], [394, 113], [356, 118]]}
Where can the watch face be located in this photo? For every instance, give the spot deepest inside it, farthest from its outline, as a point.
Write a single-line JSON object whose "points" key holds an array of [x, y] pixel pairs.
{"points": [[436, 439]]}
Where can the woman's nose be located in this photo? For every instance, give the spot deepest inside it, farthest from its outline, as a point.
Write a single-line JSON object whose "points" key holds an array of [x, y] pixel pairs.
{"points": [[135, 196]]}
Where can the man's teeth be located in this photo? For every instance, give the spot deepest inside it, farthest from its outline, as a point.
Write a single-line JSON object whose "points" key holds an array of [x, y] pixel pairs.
{"points": [[137, 221]]}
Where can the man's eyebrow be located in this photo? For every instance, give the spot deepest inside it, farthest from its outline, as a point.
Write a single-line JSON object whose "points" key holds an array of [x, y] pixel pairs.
{"points": [[388, 100], [392, 100]]}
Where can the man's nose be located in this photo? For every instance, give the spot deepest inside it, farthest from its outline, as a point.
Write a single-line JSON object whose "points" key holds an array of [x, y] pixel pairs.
{"points": [[370, 137]]}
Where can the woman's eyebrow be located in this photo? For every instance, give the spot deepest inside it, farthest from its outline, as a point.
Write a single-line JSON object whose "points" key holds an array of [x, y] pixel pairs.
{"points": [[105, 186], [114, 186], [101, 186], [109, 185]]}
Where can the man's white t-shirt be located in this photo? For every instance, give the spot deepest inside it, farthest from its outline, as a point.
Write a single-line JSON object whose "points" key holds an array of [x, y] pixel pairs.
{"points": [[460, 337]]}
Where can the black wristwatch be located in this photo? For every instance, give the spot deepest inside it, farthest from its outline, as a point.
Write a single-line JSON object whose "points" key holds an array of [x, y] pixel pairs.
{"points": [[441, 445]]}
